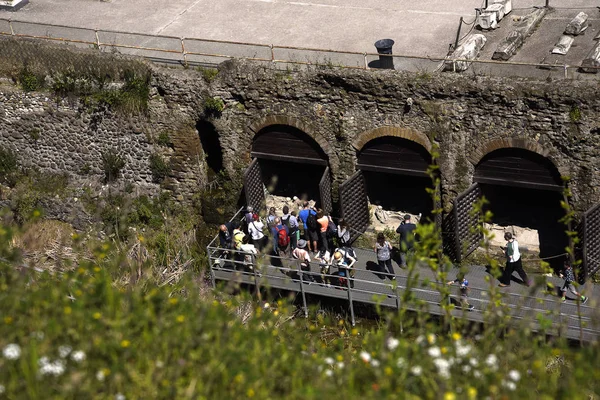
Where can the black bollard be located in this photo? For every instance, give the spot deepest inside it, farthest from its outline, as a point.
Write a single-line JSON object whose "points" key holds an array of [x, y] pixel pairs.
{"points": [[384, 46]]}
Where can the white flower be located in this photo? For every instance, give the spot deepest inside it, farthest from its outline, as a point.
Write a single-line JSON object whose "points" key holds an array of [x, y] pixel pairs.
{"points": [[37, 335], [11, 351], [366, 357], [473, 362], [416, 370], [43, 361], [78, 356], [55, 368], [510, 385], [443, 367], [159, 364], [328, 372], [477, 374], [466, 368], [434, 352], [375, 363], [392, 343], [329, 361], [64, 351], [462, 350], [514, 375], [340, 365], [266, 305], [119, 396], [401, 362], [492, 361], [419, 339], [2, 389], [100, 375]]}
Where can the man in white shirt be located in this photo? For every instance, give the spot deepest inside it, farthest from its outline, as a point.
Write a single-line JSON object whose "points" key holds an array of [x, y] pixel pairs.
{"points": [[255, 228], [513, 261]]}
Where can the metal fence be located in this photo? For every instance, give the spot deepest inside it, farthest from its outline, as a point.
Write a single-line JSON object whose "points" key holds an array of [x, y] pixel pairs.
{"points": [[205, 52]]}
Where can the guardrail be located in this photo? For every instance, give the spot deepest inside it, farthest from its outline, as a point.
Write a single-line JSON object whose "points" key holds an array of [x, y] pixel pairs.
{"points": [[196, 51]]}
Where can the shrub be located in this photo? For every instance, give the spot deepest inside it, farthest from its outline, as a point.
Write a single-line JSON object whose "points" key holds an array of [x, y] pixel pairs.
{"points": [[159, 167], [213, 106], [209, 74], [164, 139], [29, 81], [9, 165], [112, 164]]}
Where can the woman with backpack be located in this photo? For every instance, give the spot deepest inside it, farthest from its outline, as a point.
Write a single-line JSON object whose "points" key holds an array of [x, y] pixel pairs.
{"points": [[343, 233], [383, 249], [281, 237]]}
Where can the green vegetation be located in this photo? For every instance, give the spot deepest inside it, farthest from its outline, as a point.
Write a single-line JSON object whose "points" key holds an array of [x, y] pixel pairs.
{"points": [[31, 189], [29, 81], [209, 74], [159, 167], [575, 114], [9, 166], [112, 164], [164, 139], [213, 106]]}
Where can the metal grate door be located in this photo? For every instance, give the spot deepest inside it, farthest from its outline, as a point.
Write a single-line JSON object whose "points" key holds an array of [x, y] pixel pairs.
{"points": [[253, 186], [354, 204], [325, 191], [462, 231], [591, 242]]}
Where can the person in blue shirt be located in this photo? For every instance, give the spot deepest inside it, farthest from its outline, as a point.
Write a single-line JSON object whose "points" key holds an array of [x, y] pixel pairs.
{"points": [[464, 292], [311, 236]]}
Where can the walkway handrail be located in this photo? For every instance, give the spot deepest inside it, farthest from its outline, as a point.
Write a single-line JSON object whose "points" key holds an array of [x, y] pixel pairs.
{"points": [[179, 47]]}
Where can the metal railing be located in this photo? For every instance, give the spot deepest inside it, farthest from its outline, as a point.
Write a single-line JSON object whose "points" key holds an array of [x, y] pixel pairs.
{"points": [[196, 51], [287, 274]]}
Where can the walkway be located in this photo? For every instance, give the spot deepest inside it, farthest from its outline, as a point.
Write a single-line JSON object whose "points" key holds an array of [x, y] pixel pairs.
{"points": [[370, 286]]}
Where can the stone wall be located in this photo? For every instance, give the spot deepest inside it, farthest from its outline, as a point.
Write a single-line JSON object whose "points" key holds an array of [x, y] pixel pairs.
{"points": [[467, 116]]}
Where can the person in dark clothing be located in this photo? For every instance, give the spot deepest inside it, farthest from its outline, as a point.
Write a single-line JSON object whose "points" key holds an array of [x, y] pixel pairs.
{"points": [[513, 261], [310, 235], [569, 277], [464, 292], [383, 249], [281, 241], [407, 239], [225, 238]]}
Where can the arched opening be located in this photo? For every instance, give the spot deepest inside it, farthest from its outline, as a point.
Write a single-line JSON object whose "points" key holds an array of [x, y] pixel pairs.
{"points": [[209, 138], [524, 190], [292, 164], [395, 171]]}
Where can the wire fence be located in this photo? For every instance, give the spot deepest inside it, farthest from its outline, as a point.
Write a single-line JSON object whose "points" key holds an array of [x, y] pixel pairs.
{"points": [[205, 52]]}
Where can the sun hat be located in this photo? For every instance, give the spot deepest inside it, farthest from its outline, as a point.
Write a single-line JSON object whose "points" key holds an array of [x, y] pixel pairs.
{"points": [[301, 243], [337, 255]]}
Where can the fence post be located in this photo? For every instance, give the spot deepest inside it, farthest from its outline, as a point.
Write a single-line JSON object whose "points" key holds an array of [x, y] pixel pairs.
{"points": [[302, 289], [366, 61], [185, 64], [272, 53], [97, 38], [256, 281], [210, 268], [350, 296], [12, 31]]}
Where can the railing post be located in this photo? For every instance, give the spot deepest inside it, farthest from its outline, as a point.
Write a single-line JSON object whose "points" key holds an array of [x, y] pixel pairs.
{"points": [[350, 296], [210, 268], [12, 31], [366, 61], [185, 64], [272, 53], [256, 281], [97, 38], [302, 289]]}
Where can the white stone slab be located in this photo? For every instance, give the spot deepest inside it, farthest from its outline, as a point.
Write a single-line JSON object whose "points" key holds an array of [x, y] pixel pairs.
{"points": [[563, 45]]}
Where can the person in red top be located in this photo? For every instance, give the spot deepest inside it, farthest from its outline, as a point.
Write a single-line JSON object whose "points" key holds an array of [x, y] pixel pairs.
{"points": [[323, 221]]}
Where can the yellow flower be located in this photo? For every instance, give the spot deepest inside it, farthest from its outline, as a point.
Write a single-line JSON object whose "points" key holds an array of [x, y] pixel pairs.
{"points": [[449, 396], [472, 393], [456, 336], [141, 239], [180, 318], [8, 320], [78, 292], [81, 270], [96, 315], [339, 357], [275, 313], [97, 269], [74, 236], [125, 343], [239, 378], [431, 338], [173, 300], [354, 331], [68, 310], [36, 213], [444, 350], [105, 246], [250, 392], [388, 371], [341, 322]]}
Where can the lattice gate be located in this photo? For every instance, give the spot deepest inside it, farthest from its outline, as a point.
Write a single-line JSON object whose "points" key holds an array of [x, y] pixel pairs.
{"points": [[590, 242], [325, 191], [354, 205], [253, 186], [462, 233]]}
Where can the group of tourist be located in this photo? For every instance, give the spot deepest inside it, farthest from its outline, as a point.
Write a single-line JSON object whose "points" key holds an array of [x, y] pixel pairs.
{"points": [[295, 236]]}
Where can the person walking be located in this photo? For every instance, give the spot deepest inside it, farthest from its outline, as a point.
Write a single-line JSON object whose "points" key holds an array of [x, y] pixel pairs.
{"points": [[281, 238], [383, 249], [300, 254], [569, 277], [323, 221], [291, 222], [407, 239], [513, 261], [308, 216], [464, 292], [343, 232]]}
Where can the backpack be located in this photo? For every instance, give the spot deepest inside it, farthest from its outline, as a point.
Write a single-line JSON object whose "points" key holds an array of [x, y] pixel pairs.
{"points": [[331, 229], [348, 251], [286, 221], [311, 222], [282, 237]]}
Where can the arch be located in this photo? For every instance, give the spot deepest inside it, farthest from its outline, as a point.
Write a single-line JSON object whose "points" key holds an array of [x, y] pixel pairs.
{"points": [[516, 143], [405, 133], [287, 143], [396, 155], [264, 122]]}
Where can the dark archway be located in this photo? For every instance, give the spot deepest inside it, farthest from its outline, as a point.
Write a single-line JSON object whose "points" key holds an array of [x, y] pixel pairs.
{"points": [[292, 164], [209, 138], [395, 170], [525, 189]]}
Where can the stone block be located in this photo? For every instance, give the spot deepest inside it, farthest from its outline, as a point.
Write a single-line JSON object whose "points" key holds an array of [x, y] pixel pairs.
{"points": [[468, 50], [577, 24]]}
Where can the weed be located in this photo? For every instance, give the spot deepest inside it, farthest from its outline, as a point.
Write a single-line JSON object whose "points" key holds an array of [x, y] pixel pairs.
{"points": [[575, 114], [214, 106], [9, 166], [29, 81], [164, 139], [159, 167], [209, 74], [112, 164]]}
